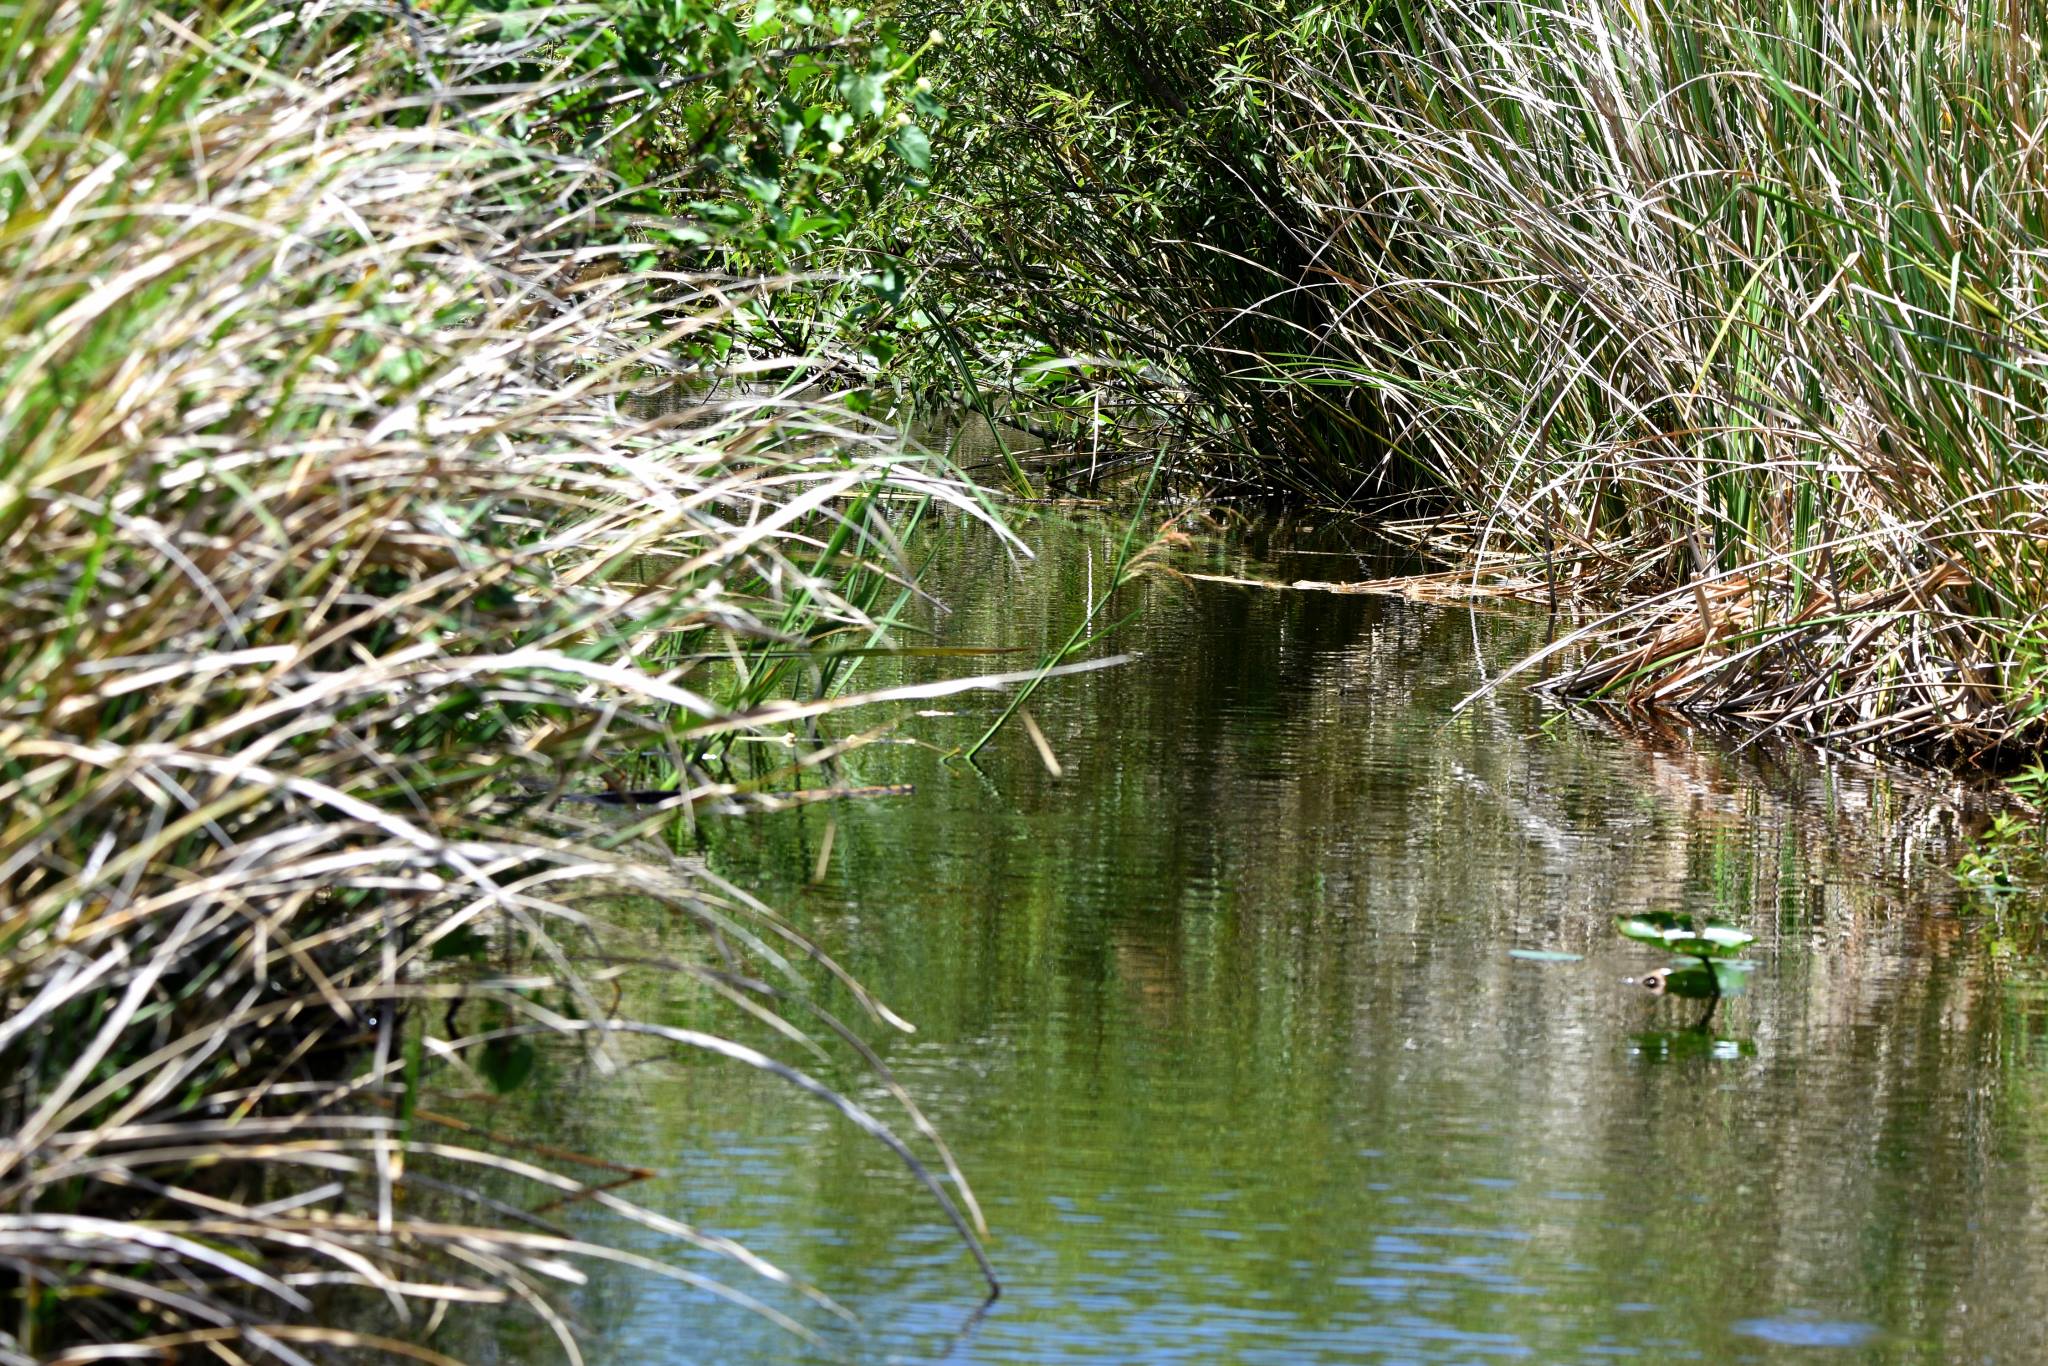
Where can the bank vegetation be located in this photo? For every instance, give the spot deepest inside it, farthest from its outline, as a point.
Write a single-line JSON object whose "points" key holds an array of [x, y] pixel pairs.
{"points": [[1724, 319]]}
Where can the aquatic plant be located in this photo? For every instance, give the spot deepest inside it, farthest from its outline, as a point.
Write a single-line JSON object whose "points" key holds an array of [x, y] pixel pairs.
{"points": [[1728, 309], [1709, 966], [2007, 858], [339, 548]]}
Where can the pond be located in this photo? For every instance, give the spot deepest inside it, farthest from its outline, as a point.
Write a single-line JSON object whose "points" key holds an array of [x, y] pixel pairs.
{"points": [[1234, 1028]]}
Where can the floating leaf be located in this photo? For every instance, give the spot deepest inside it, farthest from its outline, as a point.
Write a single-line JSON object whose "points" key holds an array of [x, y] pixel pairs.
{"points": [[1651, 927], [1545, 956], [1681, 934]]}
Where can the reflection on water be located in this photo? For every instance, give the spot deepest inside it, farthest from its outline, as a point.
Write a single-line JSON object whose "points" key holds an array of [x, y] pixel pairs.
{"points": [[1228, 1028]]}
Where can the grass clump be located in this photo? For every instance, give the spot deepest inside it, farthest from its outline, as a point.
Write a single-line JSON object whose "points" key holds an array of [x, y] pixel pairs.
{"points": [[1731, 312], [338, 550]]}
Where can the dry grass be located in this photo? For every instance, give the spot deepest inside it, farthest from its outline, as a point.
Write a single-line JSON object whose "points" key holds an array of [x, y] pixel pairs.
{"points": [[316, 484]]}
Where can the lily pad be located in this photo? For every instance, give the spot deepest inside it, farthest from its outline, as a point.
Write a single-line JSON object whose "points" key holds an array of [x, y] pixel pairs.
{"points": [[1682, 934]]}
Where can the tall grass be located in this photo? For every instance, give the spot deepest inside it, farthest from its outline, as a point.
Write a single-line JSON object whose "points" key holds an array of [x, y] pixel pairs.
{"points": [[1738, 306], [333, 560], [1727, 314]]}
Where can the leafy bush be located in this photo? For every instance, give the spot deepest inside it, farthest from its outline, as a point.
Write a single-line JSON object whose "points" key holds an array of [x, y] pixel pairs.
{"points": [[1114, 255], [769, 139]]}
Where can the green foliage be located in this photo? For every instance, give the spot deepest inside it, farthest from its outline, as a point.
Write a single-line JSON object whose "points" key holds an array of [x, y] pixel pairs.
{"points": [[1707, 290], [1726, 290], [2009, 857], [2005, 860], [344, 546], [1700, 980], [1711, 968], [765, 138], [2030, 784], [1106, 260], [507, 1063]]}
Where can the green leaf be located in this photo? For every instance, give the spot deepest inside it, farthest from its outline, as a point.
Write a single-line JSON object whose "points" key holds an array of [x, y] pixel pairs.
{"points": [[415, 1070], [802, 225], [460, 944], [1651, 927], [887, 282], [865, 95], [507, 1063], [913, 146], [1697, 981], [759, 188], [1681, 934]]}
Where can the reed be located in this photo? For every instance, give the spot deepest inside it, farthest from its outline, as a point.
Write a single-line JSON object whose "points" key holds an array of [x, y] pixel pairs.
{"points": [[338, 553], [1733, 309], [1723, 314]]}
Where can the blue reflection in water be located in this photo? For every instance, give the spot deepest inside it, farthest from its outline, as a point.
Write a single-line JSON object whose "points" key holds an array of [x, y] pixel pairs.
{"points": [[1799, 1331]]}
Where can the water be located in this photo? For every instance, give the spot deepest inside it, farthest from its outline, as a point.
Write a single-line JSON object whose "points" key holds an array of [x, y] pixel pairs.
{"points": [[1228, 1028]]}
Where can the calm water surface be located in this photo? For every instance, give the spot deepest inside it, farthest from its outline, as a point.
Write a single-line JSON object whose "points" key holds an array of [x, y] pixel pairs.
{"points": [[1226, 1027]]}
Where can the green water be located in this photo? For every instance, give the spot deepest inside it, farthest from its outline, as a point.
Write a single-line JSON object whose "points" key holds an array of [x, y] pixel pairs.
{"points": [[1225, 1027]]}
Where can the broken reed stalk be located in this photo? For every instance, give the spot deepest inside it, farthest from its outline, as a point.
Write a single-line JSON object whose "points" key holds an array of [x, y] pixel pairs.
{"points": [[315, 470]]}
